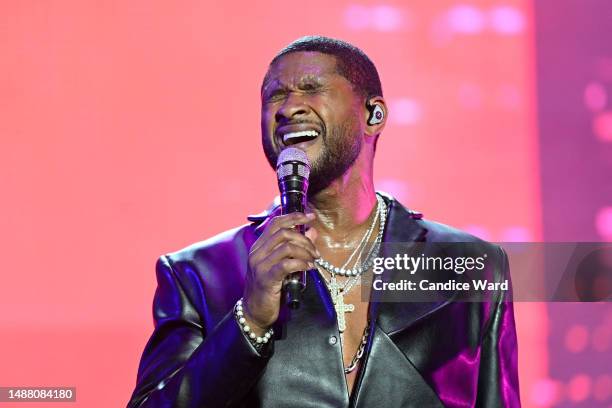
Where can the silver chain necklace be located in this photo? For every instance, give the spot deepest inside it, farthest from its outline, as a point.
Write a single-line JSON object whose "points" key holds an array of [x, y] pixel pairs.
{"points": [[359, 268], [359, 249], [338, 291], [360, 350]]}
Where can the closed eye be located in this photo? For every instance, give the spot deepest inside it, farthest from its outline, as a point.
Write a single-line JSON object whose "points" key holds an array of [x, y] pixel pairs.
{"points": [[280, 93], [310, 86], [276, 95]]}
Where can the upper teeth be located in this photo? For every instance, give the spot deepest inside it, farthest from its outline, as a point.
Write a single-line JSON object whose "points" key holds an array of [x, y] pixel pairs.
{"points": [[301, 133]]}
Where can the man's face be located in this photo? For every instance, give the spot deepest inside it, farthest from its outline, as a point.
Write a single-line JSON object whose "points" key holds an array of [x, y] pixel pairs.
{"points": [[308, 105]]}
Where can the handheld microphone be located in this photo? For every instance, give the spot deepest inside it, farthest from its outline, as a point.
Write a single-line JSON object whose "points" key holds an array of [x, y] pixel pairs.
{"points": [[292, 171]]}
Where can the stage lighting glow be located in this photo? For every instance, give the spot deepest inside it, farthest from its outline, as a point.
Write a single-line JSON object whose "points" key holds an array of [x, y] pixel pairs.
{"points": [[595, 96], [479, 231], [576, 338], [545, 392], [516, 234], [466, 19], [405, 111], [603, 223], [602, 126], [507, 20], [579, 388], [378, 18]]}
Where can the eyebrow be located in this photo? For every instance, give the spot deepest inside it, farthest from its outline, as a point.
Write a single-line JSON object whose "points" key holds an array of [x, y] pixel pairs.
{"points": [[307, 81]]}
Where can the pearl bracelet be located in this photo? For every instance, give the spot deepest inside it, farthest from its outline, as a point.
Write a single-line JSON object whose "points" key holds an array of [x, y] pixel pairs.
{"points": [[256, 341]]}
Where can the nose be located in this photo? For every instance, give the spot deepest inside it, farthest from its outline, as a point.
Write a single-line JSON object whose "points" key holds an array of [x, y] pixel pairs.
{"points": [[294, 106]]}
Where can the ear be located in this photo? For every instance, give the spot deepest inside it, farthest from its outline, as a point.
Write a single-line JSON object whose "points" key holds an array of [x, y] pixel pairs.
{"points": [[374, 108]]}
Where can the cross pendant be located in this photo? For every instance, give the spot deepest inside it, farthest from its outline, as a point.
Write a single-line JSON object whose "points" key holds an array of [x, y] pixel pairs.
{"points": [[339, 305]]}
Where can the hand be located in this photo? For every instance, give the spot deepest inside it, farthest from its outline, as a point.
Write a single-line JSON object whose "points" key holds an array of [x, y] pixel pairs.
{"points": [[279, 251]]}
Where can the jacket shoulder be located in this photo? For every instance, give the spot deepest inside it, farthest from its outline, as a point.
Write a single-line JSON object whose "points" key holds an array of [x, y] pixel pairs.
{"points": [[211, 272], [439, 232], [215, 246], [408, 224]]}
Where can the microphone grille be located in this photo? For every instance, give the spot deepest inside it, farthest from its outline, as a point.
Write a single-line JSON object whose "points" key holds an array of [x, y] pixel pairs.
{"points": [[292, 161], [292, 154]]}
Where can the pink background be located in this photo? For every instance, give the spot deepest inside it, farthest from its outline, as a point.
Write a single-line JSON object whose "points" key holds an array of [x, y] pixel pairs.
{"points": [[131, 128]]}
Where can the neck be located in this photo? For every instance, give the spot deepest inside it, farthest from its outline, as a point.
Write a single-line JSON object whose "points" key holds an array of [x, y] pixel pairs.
{"points": [[344, 207]]}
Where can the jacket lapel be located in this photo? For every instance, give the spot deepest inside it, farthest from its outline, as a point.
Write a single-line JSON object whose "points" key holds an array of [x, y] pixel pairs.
{"points": [[390, 376], [402, 227]]}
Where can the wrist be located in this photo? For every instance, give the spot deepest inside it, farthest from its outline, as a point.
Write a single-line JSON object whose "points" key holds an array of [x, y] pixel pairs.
{"points": [[256, 326], [259, 331], [257, 336]]}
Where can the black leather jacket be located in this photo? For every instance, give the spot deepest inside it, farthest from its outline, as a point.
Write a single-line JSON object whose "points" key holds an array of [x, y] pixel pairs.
{"points": [[433, 354]]}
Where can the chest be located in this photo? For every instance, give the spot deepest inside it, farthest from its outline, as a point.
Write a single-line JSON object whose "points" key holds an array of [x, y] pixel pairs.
{"points": [[351, 306], [353, 338]]}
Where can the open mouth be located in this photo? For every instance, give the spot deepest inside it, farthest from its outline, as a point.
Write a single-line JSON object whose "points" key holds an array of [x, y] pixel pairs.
{"points": [[301, 136]]}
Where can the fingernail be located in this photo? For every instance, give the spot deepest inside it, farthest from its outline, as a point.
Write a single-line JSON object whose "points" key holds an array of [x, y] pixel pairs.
{"points": [[312, 216]]}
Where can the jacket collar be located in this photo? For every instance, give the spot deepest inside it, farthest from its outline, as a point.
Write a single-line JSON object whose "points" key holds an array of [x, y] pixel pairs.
{"points": [[261, 217]]}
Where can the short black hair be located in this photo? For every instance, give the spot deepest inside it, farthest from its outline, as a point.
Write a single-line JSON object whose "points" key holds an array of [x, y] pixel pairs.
{"points": [[351, 62]]}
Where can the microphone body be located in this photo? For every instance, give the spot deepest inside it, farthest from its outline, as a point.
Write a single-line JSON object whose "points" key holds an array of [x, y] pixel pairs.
{"points": [[292, 171]]}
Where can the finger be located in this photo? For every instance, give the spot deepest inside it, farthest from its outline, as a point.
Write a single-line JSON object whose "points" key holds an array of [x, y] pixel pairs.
{"points": [[288, 235], [276, 212], [282, 221], [287, 250], [280, 238], [288, 221], [287, 266]]}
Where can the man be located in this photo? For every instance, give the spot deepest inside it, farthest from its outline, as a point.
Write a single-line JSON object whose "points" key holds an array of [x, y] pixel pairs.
{"points": [[222, 337]]}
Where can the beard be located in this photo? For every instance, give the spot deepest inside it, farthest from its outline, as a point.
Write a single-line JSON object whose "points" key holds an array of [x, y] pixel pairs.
{"points": [[340, 148]]}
